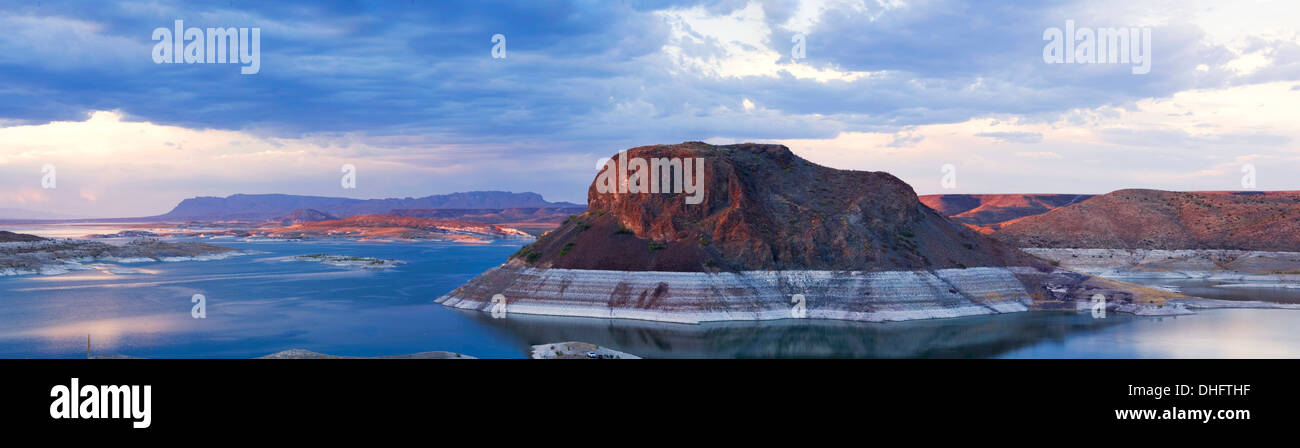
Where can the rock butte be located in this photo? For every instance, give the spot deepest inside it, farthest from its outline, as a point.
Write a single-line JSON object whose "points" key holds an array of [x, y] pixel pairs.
{"points": [[856, 245]]}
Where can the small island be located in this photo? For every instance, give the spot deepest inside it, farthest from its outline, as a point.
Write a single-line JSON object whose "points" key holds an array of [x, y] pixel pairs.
{"points": [[30, 255], [350, 262]]}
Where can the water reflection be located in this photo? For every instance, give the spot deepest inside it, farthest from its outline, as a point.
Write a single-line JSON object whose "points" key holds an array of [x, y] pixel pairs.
{"points": [[1211, 290], [966, 337]]}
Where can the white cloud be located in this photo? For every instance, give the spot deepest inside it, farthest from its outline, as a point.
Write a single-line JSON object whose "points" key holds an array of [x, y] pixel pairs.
{"points": [[736, 45], [109, 167], [1167, 145]]}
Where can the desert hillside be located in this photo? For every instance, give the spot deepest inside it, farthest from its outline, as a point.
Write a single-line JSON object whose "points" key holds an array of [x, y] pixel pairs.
{"points": [[1154, 219], [989, 212]]}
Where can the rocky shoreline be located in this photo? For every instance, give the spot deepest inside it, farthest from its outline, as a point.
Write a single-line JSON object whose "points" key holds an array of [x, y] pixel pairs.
{"points": [[54, 257], [696, 297], [770, 235], [1244, 266]]}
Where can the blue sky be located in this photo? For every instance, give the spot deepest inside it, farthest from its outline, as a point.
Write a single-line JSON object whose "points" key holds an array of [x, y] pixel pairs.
{"points": [[409, 93]]}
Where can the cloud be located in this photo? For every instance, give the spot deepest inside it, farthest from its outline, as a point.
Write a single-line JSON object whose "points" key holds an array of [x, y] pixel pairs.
{"points": [[905, 139], [409, 68], [1013, 137], [1039, 155], [410, 89]]}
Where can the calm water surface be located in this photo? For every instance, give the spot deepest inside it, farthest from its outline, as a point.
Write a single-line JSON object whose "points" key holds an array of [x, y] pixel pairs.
{"points": [[260, 304]]}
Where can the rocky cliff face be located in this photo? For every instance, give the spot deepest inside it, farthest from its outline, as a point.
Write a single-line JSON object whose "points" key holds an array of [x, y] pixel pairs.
{"points": [[764, 208], [769, 235], [1154, 219]]}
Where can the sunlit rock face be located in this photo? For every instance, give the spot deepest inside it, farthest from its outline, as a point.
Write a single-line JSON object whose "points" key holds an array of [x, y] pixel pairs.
{"points": [[1168, 220], [749, 229]]}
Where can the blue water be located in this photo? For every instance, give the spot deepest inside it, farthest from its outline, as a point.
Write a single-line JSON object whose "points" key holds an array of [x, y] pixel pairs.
{"points": [[257, 304], [261, 304]]}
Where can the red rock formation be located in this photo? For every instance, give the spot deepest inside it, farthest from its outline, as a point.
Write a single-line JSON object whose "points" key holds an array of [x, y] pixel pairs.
{"points": [[765, 208], [1154, 219], [771, 226], [384, 226]]}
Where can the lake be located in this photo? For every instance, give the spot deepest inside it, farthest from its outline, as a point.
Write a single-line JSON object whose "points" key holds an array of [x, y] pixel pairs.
{"points": [[260, 304]]}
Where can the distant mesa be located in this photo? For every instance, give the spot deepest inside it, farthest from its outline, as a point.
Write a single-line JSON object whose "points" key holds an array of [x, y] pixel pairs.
{"points": [[989, 212], [852, 245], [1155, 219], [267, 207]]}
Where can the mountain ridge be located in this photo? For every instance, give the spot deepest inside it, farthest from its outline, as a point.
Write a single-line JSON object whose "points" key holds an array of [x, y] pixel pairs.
{"points": [[273, 206], [1158, 219]]}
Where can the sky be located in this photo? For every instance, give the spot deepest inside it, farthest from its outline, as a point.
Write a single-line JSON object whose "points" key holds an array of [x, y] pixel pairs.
{"points": [[420, 99]]}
